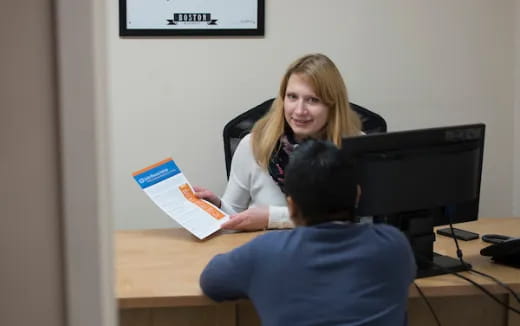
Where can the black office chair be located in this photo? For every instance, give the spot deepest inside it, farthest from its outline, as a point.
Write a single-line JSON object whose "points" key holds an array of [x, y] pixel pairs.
{"points": [[241, 125]]}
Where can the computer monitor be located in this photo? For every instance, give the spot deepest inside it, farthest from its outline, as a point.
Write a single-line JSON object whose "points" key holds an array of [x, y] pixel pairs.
{"points": [[418, 179]]}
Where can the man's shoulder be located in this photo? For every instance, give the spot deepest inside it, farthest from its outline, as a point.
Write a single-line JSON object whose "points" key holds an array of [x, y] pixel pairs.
{"points": [[393, 248], [273, 236], [271, 241], [386, 228], [391, 236]]}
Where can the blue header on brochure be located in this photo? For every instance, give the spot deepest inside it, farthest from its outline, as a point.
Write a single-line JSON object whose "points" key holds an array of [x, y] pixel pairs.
{"points": [[157, 174]]}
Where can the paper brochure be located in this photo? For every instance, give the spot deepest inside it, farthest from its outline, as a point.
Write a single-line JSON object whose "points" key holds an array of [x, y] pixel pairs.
{"points": [[169, 189]]}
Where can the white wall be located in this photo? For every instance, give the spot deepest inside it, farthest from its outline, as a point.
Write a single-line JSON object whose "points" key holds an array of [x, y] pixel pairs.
{"points": [[418, 63]]}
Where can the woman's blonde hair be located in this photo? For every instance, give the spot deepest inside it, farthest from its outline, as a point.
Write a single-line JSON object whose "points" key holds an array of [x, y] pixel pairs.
{"points": [[327, 83]]}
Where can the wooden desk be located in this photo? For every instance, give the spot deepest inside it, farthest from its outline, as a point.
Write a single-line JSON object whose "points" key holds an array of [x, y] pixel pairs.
{"points": [[157, 274]]}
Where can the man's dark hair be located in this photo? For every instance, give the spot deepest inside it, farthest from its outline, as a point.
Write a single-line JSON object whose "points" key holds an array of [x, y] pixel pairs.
{"points": [[321, 181]]}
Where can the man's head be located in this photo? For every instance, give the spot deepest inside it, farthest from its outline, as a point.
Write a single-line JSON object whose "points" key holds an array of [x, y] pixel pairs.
{"points": [[320, 184]]}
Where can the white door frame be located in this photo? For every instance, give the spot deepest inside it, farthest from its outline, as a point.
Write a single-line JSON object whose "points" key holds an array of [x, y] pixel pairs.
{"points": [[82, 56]]}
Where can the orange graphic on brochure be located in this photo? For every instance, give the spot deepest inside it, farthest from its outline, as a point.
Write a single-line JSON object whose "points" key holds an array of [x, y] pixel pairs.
{"points": [[189, 195]]}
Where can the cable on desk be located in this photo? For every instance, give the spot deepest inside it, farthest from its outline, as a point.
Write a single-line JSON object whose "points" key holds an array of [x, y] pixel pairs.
{"points": [[471, 269], [505, 286], [492, 296], [428, 304], [459, 252], [480, 287]]}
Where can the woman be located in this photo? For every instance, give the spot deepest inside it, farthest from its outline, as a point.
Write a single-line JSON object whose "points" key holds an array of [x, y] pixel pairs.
{"points": [[312, 102]]}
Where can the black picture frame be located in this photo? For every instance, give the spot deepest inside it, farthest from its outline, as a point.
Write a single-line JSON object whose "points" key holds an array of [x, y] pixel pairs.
{"points": [[124, 30]]}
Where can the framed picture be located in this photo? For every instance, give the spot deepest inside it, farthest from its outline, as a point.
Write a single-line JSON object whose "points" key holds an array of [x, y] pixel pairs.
{"points": [[191, 17]]}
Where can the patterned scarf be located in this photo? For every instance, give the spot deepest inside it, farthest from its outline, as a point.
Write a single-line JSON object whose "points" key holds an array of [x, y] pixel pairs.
{"points": [[280, 158]]}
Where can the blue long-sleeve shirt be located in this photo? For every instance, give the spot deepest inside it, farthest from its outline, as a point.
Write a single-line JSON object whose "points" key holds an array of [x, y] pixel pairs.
{"points": [[328, 274]]}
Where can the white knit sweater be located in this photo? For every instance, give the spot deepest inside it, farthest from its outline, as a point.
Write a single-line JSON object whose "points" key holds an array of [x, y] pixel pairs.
{"points": [[251, 186]]}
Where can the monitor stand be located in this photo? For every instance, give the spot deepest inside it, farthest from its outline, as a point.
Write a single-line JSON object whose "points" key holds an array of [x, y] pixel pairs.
{"points": [[418, 228], [441, 265]]}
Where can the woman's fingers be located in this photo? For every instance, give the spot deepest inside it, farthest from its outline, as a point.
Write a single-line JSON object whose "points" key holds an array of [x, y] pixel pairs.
{"points": [[202, 193], [233, 223], [251, 219], [206, 194]]}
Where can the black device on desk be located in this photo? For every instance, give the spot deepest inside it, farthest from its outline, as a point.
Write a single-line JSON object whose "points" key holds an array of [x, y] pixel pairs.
{"points": [[419, 179], [458, 233], [505, 250]]}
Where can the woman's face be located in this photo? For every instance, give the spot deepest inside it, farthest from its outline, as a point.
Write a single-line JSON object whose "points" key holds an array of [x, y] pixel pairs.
{"points": [[304, 111]]}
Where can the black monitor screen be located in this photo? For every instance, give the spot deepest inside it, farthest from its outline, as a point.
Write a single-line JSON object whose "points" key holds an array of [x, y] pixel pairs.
{"points": [[422, 177]]}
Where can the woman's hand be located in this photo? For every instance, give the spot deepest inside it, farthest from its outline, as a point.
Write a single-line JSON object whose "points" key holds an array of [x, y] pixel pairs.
{"points": [[252, 219], [208, 195]]}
